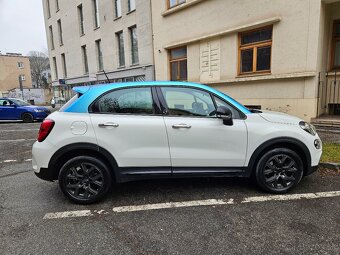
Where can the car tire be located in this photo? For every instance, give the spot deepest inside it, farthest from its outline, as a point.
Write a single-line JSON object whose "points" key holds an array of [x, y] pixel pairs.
{"points": [[279, 170], [27, 117], [85, 179]]}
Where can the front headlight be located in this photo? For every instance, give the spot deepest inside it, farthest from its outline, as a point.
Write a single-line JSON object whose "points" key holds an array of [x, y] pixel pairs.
{"points": [[38, 110], [307, 127]]}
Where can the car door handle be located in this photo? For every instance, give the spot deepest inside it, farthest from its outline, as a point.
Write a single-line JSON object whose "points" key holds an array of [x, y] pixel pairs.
{"points": [[105, 125], [181, 126]]}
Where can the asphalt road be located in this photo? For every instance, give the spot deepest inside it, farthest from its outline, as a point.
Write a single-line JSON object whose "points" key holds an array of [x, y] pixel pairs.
{"points": [[298, 226]]}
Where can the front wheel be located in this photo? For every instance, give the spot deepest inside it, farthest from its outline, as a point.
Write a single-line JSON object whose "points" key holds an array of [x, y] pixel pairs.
{"points": [[279, 170], [84, 179]]}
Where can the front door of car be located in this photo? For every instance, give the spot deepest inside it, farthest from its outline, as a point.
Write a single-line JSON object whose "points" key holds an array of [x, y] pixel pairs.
{"points": [[7, 110], [198, 140], [128, 125]]}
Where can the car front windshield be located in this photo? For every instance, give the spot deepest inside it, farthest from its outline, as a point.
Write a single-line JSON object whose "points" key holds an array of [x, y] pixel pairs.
{"points": [[20, 102]]}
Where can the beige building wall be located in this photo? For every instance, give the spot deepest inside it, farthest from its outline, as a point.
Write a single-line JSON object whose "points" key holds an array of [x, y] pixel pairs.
{"points": [[10, 71], [296, 57], [106, 32]]}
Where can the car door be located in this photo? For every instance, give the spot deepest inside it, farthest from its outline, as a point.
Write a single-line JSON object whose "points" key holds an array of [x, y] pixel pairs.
{"points": [[198, 140], [7, 110], [129, 125]]}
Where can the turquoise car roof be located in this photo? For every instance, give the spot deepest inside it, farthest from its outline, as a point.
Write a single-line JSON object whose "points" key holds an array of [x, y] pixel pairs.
{"points": [[90, 93]]}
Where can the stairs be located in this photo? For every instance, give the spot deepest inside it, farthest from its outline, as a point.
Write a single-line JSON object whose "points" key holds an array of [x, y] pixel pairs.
{"points": [[327, 123]]}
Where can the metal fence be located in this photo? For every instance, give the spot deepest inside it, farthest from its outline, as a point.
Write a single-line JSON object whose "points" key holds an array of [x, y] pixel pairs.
{"points": [[329, 93]]}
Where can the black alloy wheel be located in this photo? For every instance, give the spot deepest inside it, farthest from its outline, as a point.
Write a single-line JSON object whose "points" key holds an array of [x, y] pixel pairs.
{"points": [[85, 179], [27, 118], [279, 170]]}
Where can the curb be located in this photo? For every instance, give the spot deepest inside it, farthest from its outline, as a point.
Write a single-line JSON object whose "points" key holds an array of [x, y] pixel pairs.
{"points": [[332, 166]]}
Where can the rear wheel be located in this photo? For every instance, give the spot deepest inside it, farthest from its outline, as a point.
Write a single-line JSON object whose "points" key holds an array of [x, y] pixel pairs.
{"points": [[84, 179], [27, 117], [279, 170]]}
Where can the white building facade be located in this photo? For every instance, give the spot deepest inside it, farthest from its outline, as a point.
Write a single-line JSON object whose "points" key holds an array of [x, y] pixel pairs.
{"points": [[93, 41]]}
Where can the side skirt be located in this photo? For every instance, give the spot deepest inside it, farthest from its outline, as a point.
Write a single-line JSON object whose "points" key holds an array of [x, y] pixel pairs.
{"points": [[127, 174]]}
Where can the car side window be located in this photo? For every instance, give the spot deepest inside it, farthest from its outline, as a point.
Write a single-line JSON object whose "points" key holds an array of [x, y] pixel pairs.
{"points": [[125, 101], [219, 102], [188, 102], [5, 102]]}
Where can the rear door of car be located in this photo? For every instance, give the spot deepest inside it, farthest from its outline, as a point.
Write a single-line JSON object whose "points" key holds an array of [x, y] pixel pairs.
{"points": [[129, 124]]}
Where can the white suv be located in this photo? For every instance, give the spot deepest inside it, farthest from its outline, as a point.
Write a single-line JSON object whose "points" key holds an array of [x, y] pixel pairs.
{"points": [[132, 131]]}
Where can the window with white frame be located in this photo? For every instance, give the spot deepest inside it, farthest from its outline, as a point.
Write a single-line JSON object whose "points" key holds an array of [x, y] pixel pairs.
{"points": [[118, 8], [134, 45], [132, 5], [99, 55], [96, 13]]}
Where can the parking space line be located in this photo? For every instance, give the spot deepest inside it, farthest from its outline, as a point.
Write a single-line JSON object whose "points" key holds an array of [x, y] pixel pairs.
{"points": [[291, 197], [194, 203], [18, 140], [14, 160], [18, 130], [172, 205], [69, 214]]}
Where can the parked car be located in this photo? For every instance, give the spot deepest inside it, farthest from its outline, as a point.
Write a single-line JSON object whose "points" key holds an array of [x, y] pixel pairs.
{"points": [[16, 109], [133, 131]]}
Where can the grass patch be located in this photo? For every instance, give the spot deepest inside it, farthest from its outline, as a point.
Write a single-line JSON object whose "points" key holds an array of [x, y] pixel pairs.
{"points": [[331, 152]]}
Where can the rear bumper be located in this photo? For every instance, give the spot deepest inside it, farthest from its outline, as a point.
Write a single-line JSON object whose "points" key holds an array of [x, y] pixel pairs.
{"points": [[45, 175]]}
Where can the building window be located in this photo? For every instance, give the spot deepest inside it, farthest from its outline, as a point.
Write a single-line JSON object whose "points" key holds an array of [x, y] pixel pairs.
{"points": [[48, 8], [99, 55], [51, 37], [336, 45], [81, 20], [118, 8], [63, 62], [121, 53], [60, 31], [85, 63], [173, 3], [132, 5], [21, 64], [255, 51], [178, 64], [95, 13], [57, 5], [22, 77], [134, 45], [55, 68]]}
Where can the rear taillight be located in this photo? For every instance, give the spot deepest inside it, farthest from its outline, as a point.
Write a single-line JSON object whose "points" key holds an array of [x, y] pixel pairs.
{"points": [[45, 128]]}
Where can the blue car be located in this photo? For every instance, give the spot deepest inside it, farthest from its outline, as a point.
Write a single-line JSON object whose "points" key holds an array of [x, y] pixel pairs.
{"points": [[16, 109]]}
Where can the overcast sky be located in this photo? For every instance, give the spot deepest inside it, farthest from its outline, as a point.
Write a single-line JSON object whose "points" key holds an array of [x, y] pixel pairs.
{"points": [[22, 27]]}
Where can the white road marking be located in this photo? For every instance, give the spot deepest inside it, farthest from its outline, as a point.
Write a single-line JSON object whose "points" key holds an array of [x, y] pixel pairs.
{"points": [[291, 197], [28, 160], [135, 208], [9, 160], [68, 214], [208, 202], [19, 140], [16, 130]]}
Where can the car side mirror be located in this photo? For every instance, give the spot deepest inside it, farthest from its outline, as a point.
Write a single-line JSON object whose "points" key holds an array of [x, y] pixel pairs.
{"points": [[225, 114]]}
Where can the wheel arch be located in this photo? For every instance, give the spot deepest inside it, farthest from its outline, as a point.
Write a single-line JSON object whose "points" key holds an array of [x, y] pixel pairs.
{"points": [[69, 151], [285, 142]]}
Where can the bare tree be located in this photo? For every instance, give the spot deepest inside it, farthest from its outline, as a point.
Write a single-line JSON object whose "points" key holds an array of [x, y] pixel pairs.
{"points": [[39, 63]]}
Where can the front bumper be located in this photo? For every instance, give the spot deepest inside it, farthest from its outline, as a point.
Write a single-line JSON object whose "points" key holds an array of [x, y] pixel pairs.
{"points": [[311, 169]]}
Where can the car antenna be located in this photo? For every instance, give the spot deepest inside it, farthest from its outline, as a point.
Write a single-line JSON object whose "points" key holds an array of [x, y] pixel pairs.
{"points": [[106, 76]]}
